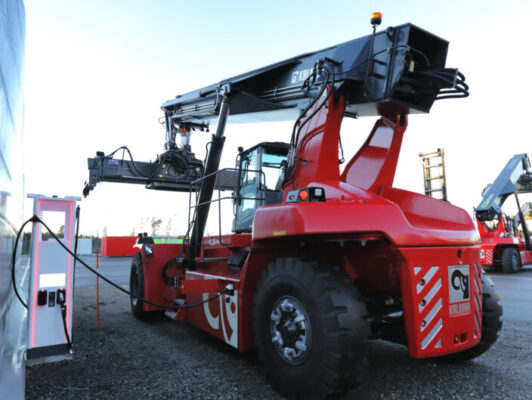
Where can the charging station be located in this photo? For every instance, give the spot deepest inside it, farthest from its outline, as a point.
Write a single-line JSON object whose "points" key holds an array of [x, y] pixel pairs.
{"points": [[51, 281]]}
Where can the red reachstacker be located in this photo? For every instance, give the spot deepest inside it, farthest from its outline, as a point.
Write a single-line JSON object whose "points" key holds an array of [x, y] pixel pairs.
{"points": [[319, 261], [505, 245]]}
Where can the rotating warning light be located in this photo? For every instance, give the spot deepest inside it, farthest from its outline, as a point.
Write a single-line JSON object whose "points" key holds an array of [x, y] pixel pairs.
{"points": [[376, 18]]}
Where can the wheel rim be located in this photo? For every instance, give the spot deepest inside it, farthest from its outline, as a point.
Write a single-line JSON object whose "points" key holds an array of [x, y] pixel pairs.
{"points": [[290, 330]]}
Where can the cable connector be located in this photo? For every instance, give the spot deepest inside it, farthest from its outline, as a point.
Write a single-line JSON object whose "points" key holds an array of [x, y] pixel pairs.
{"points": [[229, 289], [61, 296]]}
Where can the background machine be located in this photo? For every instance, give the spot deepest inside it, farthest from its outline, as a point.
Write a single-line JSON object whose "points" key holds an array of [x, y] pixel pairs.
{"points": [[505, 239], [319, 261]]}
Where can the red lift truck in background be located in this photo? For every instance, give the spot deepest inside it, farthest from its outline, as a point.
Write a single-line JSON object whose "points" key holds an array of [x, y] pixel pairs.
{"points": [[319, 261], [506, 243]]}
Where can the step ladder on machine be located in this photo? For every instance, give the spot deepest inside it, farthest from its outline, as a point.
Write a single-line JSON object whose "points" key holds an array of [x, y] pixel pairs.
{"points": [[434, 174]]}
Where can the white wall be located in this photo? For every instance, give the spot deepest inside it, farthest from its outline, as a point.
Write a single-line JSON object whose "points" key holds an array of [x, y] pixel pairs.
{"points": [[12, 314]]}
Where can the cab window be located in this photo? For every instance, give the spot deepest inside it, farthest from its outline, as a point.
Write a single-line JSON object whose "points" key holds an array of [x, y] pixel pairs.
{"points": [[273, 171]]}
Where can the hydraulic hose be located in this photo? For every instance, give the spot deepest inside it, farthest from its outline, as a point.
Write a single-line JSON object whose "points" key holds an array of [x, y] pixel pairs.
{"points": [[126, 149], [330, 77]]}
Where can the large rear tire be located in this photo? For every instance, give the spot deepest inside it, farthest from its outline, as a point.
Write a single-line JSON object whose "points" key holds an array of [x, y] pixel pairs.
{"points": [[310, 328], [491, 323], [136, 287], [510, 260]]}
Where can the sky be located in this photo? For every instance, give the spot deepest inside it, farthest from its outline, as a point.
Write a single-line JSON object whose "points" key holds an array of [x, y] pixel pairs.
{"points": [[98, 71]]}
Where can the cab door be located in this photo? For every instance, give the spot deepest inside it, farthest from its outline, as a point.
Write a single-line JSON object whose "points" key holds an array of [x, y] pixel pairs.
{"points": [[261, 172], [248, 187]]}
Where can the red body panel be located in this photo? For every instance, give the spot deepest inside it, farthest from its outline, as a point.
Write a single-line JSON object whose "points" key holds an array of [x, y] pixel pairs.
{"points": [[405, 218], [218, 317], [318, 146], [118, 246], [373, 167], [386, 239], [434, 325], [154, 287]]}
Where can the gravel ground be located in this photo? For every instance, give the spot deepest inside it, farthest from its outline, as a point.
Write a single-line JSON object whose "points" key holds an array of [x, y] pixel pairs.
{"points": [[162, 359]]}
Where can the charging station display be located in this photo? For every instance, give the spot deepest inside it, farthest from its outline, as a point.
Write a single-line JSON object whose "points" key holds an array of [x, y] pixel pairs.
{"points": [[51, 279]]}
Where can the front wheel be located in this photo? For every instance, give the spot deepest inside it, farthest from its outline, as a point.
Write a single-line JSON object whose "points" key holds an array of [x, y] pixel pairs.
{"points": [[510, 260], [310, 328], [136, 288]]}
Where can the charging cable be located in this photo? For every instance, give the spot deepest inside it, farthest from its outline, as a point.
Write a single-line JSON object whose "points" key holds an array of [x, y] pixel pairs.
{"points": [[34, 219], [61, 300]]}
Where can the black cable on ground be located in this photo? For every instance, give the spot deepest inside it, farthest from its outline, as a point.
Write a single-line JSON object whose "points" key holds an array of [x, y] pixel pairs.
{"points": [[175, 307]]}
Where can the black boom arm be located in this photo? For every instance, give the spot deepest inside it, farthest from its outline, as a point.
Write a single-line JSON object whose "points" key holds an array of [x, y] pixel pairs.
{"points": [[400, 70]]}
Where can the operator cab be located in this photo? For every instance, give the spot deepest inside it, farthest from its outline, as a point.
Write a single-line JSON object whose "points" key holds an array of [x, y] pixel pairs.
{"points": [[260, 176]]}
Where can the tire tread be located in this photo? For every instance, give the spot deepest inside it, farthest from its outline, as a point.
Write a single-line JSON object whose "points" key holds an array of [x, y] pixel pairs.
{"points": [[344, 337]]}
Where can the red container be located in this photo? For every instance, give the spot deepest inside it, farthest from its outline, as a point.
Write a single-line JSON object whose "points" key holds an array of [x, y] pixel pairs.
{"points": [[118, 246]]}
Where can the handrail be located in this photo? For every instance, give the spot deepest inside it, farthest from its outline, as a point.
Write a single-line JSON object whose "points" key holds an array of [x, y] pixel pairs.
{"points": [[197, 182]]}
